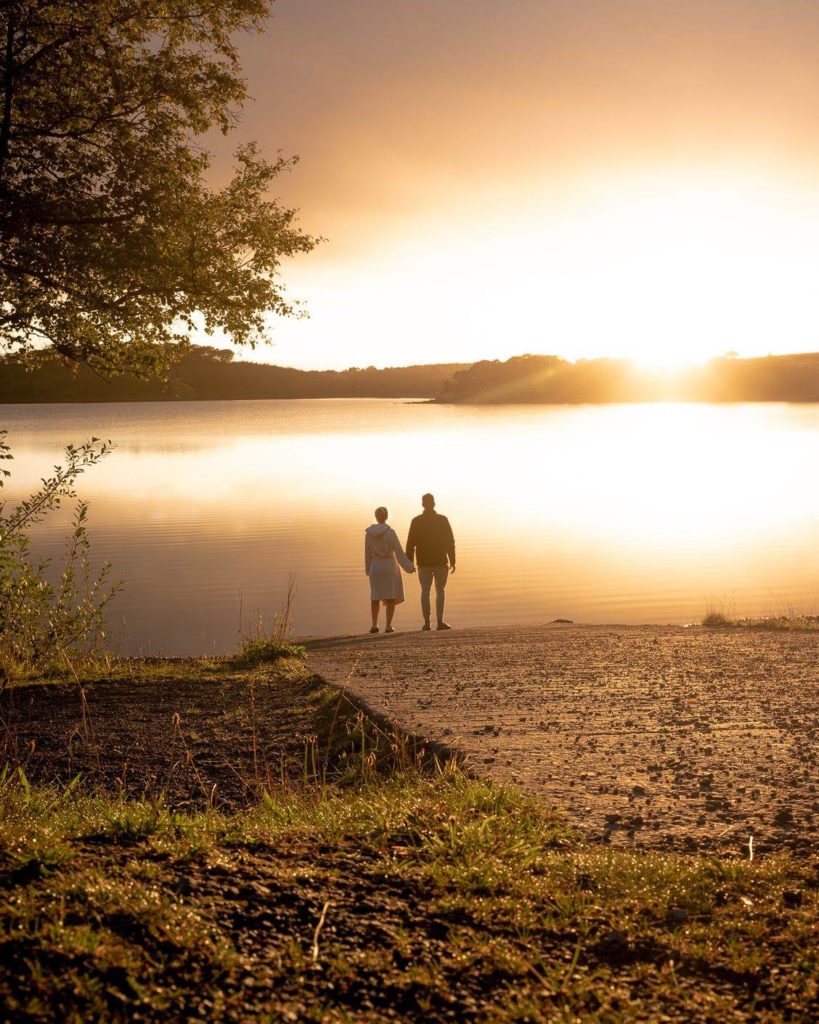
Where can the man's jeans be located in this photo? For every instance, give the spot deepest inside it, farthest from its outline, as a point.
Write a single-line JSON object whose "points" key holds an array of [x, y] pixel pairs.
{"points": [[426, 574]]}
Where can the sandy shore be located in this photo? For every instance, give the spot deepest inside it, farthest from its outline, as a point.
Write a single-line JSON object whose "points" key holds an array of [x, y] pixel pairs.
{"points": [[671, 737]]}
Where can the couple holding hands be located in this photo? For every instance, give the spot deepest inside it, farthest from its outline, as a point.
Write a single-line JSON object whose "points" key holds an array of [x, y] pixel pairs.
{"points": [[430, 542]]}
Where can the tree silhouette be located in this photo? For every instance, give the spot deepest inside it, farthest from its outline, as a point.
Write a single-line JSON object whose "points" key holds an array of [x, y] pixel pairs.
{"points": [[112, 244]]}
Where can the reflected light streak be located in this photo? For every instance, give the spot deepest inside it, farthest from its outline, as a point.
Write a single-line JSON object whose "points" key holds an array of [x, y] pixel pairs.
{"points": [[666, 477], [619, 513]]}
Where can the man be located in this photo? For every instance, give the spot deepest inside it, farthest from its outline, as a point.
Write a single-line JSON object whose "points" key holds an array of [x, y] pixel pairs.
{"points": [[431, 544]]}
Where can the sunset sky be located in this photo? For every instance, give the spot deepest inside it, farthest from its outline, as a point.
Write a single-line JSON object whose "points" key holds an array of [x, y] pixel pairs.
{"points": [[580, 177]]}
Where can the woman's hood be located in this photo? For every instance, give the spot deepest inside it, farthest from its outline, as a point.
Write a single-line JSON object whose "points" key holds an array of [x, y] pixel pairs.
{"points": [[378, 529]]}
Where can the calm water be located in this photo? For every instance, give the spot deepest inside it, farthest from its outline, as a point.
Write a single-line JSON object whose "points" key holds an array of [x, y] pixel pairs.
{"points": [[597, 514]]}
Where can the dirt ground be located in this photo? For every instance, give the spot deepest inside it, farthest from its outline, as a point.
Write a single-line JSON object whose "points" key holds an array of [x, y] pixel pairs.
{"points": [[670, 737], [194, 733]]}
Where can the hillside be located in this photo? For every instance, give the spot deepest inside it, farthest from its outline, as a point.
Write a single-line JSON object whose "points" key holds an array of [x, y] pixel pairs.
{"points": [[550, 379], [207, 374]]}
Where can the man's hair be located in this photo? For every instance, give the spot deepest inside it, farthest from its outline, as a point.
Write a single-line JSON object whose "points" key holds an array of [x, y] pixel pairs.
{"points": [[381, 514], [427, 499]]}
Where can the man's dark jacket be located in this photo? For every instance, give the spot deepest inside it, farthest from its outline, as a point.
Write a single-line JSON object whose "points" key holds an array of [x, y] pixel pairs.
{"points": [[430, 536]]}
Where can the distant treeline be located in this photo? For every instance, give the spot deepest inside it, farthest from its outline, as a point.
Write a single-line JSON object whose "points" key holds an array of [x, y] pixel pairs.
{"points": [[208, 374], [549, 379]]}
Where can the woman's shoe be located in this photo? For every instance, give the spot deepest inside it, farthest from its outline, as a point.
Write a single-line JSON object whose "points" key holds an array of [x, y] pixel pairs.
{"points": [[374, 629]]}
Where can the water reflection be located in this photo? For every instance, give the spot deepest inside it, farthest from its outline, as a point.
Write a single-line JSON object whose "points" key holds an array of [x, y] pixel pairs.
{"points": [[620, 513]]}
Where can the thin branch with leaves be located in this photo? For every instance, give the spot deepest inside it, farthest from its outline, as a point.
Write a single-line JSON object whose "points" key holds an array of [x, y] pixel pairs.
{"points": [[50, 618]]}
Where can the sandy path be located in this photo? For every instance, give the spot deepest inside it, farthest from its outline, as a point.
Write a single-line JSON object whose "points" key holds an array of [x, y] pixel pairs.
{"points": [[652, 736]]}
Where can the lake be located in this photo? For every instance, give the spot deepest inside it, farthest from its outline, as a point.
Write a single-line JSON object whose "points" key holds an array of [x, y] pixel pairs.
{"points": [[627, 513]]}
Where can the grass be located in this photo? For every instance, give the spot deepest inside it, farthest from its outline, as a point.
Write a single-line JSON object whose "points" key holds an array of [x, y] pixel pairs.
{"points": [[415, 896], [263, 646], [374, 883], [266, 651], [798, 623], [721, 615]]}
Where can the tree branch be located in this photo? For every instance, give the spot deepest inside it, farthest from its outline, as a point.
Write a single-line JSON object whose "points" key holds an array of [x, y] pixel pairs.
{"points": [[8, 71]]}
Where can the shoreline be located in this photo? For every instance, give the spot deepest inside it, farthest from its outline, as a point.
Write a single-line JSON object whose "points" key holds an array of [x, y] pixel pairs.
{"points": [[414, 400]]}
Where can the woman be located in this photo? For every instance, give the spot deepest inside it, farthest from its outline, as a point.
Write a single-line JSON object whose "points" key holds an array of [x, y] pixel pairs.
{"points": [[382, 556]]}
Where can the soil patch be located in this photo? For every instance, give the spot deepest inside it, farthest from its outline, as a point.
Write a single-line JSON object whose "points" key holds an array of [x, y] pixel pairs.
{"points": [[195, 733]]}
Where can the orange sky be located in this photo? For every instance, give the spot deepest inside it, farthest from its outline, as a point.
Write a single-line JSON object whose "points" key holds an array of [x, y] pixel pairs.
{"points": [[585, 177]]}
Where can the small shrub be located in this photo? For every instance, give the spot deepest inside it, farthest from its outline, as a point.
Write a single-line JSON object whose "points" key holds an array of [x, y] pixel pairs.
{"points": [[48, 619]]}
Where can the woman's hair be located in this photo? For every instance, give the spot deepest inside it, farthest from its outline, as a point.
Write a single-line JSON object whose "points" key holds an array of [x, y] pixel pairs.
{"points": [[381, 514]]}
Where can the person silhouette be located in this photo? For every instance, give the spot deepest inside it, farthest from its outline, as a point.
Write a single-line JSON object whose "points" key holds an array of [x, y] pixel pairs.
{"points": [[432, 545], [382, 556]]}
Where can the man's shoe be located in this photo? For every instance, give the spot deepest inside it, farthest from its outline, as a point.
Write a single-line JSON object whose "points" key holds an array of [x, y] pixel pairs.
{"points": [[425, 628], [443, 625]]}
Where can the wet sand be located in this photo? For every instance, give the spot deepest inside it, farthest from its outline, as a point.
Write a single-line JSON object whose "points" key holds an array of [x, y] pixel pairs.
{"points": [[669, 737]]}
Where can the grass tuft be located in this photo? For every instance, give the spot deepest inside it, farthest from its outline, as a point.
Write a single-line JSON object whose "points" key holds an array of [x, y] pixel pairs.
{"points": [[787, 617], [797, 623], [262, 646], [259, 651], [715, 618]]}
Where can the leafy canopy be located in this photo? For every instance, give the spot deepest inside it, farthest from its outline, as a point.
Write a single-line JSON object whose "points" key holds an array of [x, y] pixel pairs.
{"points": [[112, 245]]}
